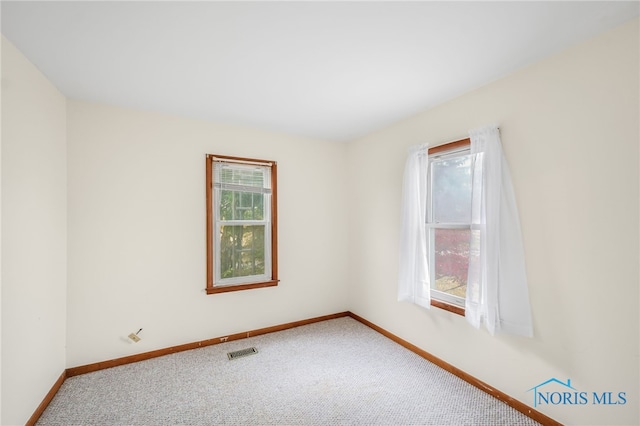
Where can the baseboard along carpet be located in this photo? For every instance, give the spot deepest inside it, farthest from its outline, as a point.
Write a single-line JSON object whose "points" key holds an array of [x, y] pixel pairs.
{"points": [[335, 372]]}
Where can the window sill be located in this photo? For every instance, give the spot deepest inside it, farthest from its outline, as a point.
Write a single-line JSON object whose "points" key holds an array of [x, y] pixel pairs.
{"points": [[239, 287], [448, 307]]}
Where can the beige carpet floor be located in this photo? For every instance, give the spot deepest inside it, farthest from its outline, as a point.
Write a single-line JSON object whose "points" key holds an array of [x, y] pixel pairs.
{"points": [[336, 372]]}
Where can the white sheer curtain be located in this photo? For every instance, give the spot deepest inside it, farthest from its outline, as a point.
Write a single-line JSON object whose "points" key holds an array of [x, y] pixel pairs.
{"points": [[497, 293], [413, 278]]}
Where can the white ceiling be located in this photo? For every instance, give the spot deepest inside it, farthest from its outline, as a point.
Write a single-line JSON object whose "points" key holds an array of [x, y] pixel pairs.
{"points": [[329, 70]]}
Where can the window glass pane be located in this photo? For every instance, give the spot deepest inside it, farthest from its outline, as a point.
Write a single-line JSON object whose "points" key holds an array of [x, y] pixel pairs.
{"points": [[242, 250], [239, 205], [451, 190], [451, 257]]}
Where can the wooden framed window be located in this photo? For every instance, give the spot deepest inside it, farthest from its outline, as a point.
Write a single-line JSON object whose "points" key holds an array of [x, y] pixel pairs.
{"points": [[449, 223], [242, 231]]}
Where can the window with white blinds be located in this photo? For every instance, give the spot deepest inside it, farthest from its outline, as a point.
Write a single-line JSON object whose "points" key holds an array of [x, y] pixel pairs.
{"points": [[241, 223]]}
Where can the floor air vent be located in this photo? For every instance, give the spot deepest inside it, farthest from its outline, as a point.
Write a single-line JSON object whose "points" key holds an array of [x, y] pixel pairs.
{"points": [[242, 352]]}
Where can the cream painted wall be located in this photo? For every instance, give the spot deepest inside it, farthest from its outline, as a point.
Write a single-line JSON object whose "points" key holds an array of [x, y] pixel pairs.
{"points": [[570, 130], [137, 231], [34, 236]]}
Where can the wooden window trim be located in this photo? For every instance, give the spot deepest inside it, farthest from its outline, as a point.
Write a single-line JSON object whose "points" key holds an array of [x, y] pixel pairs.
{"points": [[211, 288], [462, 143], [455, 309]]}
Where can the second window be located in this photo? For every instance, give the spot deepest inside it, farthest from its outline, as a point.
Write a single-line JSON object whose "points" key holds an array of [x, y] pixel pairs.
{"points": [[449, 221]]}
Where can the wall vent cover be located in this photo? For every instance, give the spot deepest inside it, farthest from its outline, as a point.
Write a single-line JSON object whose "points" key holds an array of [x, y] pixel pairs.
{"points": [[241, 353]]}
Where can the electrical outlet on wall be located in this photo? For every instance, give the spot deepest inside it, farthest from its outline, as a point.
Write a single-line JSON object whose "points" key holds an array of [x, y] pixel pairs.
{"points": [[134, 336]]}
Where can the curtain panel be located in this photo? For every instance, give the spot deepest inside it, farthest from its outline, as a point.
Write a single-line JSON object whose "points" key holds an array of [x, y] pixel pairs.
{"points": [[413, 277], [497, 293]]}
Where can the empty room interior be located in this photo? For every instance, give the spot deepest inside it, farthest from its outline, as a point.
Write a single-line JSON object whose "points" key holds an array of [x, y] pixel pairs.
{"points": [[133, 134]]}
